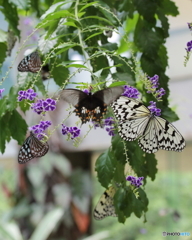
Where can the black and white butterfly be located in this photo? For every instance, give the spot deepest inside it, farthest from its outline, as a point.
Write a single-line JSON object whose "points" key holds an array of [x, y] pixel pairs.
{"points": [[91, 106], [105, 206], [135, 121], [30, 63], [31, 148]]}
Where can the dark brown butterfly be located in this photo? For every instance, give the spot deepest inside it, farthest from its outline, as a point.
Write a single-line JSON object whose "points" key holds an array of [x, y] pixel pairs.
{"points": [[30, 63], [91, 106], [32, 148]]}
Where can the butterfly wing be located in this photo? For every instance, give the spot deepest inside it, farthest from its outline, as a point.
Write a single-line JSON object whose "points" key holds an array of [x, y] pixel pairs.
{"points": [[132, 116], [30, 63], [109, 95], [72, 96], [32, 148], [154, 133], [105, 206], [169, 138]]}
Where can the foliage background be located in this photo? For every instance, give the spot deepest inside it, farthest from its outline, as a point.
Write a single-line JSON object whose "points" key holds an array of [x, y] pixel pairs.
{"points": [[146, 43]]}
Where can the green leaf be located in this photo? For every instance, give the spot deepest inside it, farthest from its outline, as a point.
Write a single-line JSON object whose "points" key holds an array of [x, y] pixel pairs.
{"points": [[124, 77], [105, 166], [5, 134], [3, 105], [52, 9], [3, 36], [147, 9], [93, 35], [10, 12], [140, 204], [146, 39], [41, 86], [74, 65], [169, 114], [87, 5], [21, 4], [18, 127], [121, 203], [99, 18], [110, 46], [151, 165], [169, 8], [3, 49], [60, 75], [47, 224], [72, 24], [118, 149], [59, 14]]}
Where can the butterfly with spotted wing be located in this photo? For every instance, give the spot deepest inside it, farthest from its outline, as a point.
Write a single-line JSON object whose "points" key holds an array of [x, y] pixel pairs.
{"points": [[105, 206], [135, 121], [32, 148], [30, 63], [91, 106]]}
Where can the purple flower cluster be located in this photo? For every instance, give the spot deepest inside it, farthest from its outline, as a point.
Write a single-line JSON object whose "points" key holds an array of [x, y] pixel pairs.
{"points": [[73, 131], [189, 46], [28, 94], [160, 93], [154, 82], [109, 124], [44, 105], [135, 181], [153, 109], [152, 86], [130, 92], [40, 128], [1, 91]]}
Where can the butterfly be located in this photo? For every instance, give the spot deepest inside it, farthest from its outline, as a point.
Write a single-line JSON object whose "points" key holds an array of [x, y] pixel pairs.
{"points": [[30, 63], [135, 121], [32, 148], [105, 206], [91, 106]]}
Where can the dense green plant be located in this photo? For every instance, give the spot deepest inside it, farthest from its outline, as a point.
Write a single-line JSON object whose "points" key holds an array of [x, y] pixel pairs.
{"points": [[142, 28]]}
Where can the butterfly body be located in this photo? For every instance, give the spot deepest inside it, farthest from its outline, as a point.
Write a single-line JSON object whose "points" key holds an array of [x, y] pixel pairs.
{"points": [[30, 63], [135, 121], [32, 148], [91, 106], [105, 206]]}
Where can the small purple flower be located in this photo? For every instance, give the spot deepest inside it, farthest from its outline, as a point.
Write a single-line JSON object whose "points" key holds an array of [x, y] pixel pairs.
{"points": [[73, 131], [1, 91], [110, 131], [189, 46], [49, 104], [135, 181], [28, 94], [130, 92], [65, 129], [22, 95], [160, 93], [86, 91], [109, 121], [38, 106], [154, 82], [153, 109], [40, 128]]}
